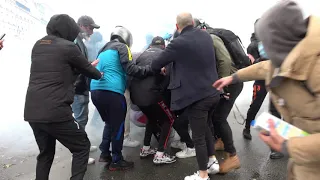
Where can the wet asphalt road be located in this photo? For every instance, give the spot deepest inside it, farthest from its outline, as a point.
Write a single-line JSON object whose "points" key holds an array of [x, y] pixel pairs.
{"points": [[18, 152]]}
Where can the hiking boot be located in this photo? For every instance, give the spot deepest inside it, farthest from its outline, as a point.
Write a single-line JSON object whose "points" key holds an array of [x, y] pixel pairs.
{"points": [[229, 164], [164, 159], [246, 134], [219, 146], [145, 153], [121, 165]]}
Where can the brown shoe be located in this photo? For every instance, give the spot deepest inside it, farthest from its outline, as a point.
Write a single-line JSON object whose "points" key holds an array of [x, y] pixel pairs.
{"points": [[219, 146], [229, 164]]}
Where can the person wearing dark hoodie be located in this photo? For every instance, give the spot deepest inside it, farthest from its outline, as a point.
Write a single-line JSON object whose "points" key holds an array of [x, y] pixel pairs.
{"points": [[153, 99], [107, 94], [55, 59], [259, 92], [292, 44]]}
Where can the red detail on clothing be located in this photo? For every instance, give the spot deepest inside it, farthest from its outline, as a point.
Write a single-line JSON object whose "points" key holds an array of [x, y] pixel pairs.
{"points": [[170, 115]]}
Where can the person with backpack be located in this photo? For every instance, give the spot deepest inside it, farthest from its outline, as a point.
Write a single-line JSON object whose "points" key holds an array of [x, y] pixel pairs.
{"points": [[152, 98], [259, 93], [107, 94], [192, 70], [292, 76], [225, 66]]}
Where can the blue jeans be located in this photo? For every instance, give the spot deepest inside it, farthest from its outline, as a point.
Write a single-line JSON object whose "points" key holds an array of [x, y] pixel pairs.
{"points": [[80, 108]]}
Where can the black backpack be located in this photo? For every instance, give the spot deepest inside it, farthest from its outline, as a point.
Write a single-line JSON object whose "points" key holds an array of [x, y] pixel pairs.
{"points": [[233, 45]]}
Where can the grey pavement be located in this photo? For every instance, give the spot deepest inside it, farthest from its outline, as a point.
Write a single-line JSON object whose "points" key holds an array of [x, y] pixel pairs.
{"points": [[18, 151]]}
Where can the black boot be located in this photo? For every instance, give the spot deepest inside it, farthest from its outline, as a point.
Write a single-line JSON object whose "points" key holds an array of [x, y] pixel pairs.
{"points": [[246, 134], [105, 158], [276, 155], [121, 165]]}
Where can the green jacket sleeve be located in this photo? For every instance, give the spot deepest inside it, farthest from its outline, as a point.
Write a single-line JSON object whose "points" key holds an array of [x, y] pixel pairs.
{"points": [[224, 61]]}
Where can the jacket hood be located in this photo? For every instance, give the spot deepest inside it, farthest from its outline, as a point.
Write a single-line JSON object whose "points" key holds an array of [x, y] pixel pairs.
{"points": [[253, 37], [280, 29], [63, 26]]}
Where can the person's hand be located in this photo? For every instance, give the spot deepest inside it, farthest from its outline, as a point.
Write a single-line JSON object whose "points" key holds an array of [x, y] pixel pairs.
{"points": [[251, 58], [163, 71], [273, 139], [95, 62], [1, 44], [223, 82]]}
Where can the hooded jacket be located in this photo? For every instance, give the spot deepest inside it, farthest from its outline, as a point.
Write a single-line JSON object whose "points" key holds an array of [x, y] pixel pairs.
{"points": [[293, 79], [253, 47], [55, 58], [148, 91]]}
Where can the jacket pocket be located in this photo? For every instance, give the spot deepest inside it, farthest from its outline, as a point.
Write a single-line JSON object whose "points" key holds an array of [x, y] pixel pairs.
{"points": [[176, 83]]}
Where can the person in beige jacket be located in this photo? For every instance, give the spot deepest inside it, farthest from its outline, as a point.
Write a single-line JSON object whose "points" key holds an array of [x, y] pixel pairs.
{"points": [[292, 77]]}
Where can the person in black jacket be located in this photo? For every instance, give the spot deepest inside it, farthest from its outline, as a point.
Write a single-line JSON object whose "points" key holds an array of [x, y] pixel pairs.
{"points": [[55, 58], [152, 98], [194, 69], [80, 105], [81, 98], [259, 94]]}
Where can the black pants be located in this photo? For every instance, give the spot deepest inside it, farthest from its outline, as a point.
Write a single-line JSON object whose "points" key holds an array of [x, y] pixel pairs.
{"points": [[219, 118], [112, 108], [198, 115], [181, 125], [158, 113], [259, 94], [72, 136]]}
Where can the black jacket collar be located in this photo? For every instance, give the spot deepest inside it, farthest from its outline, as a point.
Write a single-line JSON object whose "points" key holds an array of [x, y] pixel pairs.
{"points": [[187, 28]]}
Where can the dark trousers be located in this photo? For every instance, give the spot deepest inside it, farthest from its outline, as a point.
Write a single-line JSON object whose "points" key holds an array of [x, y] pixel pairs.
{"points": [[259, 94], [112, 108], [181, 125], [198, 115], [219, 118], [158, 113], [68, 133]]}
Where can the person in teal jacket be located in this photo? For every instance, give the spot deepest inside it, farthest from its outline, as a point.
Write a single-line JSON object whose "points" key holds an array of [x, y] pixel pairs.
{"points": [[107, 94]]}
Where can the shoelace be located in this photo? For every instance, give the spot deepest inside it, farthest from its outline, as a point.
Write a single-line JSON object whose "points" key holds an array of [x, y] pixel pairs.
{"points": [[214, 162]]}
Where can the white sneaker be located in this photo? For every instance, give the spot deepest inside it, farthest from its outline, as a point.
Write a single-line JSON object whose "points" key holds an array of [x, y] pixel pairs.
{"points": [[164, 159], [93, 148], [195, 176], [128, 142], [145, 153], [178, 145], [186, 153], [214, 168], [91, 161]]}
